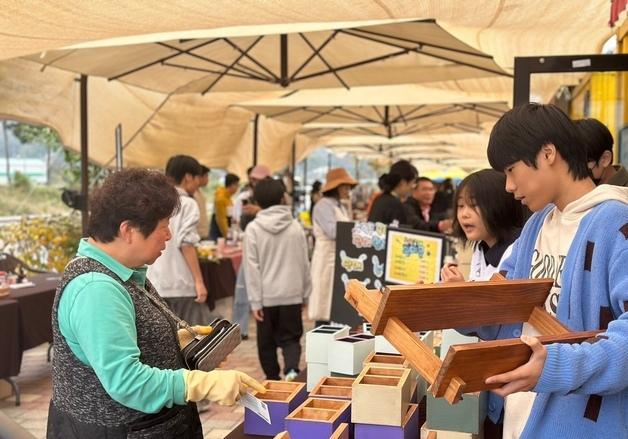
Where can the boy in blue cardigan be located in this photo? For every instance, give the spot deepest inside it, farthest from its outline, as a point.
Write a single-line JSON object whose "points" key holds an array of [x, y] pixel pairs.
{"points": [[578, 236]]}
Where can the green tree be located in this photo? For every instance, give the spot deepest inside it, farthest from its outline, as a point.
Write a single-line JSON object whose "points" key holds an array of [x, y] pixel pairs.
{"points": [[48, 137]]}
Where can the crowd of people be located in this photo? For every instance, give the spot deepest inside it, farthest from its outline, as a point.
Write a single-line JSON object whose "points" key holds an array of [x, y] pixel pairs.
{"points": [[117, 368]]}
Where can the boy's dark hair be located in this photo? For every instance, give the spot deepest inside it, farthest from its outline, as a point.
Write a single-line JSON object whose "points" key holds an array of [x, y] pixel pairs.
{"points": [[231, 179], [500, 211], [420, 179], [248, 171], [140, 196], [401, 170], [204, 170], [179, 165], [269, 192], [521, 133], [596, 138]]}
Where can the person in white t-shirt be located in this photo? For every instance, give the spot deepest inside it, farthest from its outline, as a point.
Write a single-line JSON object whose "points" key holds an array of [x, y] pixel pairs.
{"points": [[490, 219]]}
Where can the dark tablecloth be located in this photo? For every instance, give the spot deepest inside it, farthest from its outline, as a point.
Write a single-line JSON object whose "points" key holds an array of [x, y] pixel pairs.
{"points": [[219, 278], [35, 310], [10, 352]]}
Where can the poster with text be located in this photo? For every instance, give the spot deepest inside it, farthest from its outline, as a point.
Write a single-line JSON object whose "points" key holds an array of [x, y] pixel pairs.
{"points": [[413, 256]]}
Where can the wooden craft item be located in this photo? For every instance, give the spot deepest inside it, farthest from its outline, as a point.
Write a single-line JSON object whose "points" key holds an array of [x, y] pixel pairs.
{"points": [[399, 311], [342, 432], [281, 397], [317, 418], [333, 387], [381, 396]]}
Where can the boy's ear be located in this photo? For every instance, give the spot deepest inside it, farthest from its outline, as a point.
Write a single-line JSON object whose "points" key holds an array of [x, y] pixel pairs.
{"points": [[606, 160], [549, 153]]}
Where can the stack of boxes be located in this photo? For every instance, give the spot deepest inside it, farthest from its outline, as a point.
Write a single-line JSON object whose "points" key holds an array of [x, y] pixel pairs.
{"points": [[465, 419], [317, 342]]}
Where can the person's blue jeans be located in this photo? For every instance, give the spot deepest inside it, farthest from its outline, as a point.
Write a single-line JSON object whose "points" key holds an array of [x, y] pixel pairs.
{"points": [[241, 309]]}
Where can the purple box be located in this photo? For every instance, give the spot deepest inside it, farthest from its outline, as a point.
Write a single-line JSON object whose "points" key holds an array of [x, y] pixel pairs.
{"points": [[318, 418], [409, 429], [282, 398]]}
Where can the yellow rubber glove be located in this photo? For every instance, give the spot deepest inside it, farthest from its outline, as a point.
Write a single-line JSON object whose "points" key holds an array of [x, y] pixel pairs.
{"points": [[221, 386], [185, 337]]}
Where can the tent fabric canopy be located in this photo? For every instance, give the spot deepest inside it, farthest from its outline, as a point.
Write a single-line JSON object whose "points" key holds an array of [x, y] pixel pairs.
{"points": [[386, 120], [396, 53], [167, 114]]}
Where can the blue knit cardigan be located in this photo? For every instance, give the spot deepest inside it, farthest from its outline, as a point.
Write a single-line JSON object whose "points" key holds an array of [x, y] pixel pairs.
{"points": [[583, 389]]}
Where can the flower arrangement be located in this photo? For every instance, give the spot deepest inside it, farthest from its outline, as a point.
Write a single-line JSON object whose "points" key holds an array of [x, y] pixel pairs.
{"points": [[42, 242]]}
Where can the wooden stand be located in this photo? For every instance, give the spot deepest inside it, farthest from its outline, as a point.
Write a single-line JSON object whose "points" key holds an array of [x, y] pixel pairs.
{"points": [[399, 311]]}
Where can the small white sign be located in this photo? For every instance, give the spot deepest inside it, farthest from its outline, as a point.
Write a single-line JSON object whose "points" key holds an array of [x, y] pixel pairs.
{"points": [[256, 405], [579, 63]]}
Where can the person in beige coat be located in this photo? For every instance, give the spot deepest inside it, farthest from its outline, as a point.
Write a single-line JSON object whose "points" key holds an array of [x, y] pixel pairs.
{"points": [[327, 212]]}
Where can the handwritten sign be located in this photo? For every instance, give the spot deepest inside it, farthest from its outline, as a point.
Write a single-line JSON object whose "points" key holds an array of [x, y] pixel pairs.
{"points": [[413, 256]]}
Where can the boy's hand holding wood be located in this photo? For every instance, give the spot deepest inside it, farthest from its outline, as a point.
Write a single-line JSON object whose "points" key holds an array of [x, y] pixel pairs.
{"points": [[524, 377]]}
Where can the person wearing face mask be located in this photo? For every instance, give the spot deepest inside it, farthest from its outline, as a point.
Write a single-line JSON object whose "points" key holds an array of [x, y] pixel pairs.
{"points": [[328, 211], [396, 186], [599, 143]]}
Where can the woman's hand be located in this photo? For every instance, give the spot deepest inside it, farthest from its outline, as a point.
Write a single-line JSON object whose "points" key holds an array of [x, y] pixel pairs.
{"points": [[221, 386], [450, 273], [185, 337]]}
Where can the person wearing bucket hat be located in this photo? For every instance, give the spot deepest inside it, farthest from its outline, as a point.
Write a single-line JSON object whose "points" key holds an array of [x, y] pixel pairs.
{"points": [[327, 212]]}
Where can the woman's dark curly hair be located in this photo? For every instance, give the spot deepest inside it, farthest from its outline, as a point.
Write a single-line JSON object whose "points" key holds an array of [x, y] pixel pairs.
{"points": [[139, 196]]}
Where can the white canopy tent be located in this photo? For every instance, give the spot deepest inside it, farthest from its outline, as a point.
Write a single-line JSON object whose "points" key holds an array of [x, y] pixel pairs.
{"points": [[159, 123]]}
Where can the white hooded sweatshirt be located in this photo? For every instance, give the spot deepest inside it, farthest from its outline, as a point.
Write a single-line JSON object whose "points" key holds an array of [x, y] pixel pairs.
{"points": [[276, 264]]}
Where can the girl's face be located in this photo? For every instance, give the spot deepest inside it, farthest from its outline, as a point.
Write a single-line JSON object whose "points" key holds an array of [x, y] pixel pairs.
{"points": [[470, 218]]}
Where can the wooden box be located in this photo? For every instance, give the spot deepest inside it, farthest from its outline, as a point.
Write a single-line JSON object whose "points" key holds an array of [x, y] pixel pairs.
{"points": [[331, 387], [317, 342], [393, 313], [317, 418], [346, 354], [315, 371], [409, 429], [342, 432], [381, 396], [282, 398]]}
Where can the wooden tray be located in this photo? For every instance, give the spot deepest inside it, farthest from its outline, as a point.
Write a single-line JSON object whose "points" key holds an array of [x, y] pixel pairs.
{"points": [[398, 312]]}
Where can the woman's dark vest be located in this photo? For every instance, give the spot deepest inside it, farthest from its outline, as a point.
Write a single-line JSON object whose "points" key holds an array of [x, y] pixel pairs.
{"points": [[80, 406]]}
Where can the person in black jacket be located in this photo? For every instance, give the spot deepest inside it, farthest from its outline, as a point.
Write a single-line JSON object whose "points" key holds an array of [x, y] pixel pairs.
{"points": [[396, 186], [419, 209]]}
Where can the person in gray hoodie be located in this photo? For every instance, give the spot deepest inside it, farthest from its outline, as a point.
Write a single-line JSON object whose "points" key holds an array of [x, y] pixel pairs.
{"points": [[278, 282]]}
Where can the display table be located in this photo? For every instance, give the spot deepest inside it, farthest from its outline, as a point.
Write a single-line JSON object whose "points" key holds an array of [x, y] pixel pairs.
{"points": [[25, 322], [220, 277], [10, 351], [35, 310]]}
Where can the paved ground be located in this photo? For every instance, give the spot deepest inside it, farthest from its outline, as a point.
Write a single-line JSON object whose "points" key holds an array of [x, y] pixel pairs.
{"points": [[35, 384]]}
